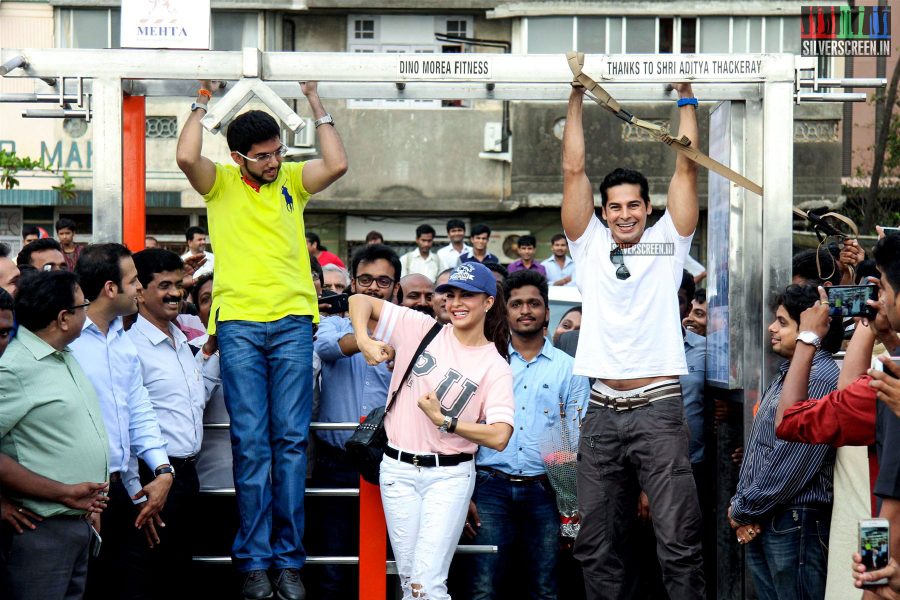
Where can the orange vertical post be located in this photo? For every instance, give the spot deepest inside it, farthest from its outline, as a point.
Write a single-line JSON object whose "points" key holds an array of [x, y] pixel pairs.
{"points": [[372, 543], [134, 166]]}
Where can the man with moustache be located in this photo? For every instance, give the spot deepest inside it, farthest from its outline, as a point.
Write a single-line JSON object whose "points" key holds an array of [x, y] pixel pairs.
{"points": [[264, 307], [110, 283], [697, 317], [350, 389], [417, 292], [44, 255], [513, 506], [175, 386], [633, 436]]}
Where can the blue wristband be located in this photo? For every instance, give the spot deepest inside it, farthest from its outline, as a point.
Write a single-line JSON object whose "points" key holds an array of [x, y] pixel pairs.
{"points": [[686, 101]]}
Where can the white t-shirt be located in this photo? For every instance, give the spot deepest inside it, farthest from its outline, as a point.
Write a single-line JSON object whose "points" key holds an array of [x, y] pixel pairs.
{"points": [[630, 328], [450, 257]]}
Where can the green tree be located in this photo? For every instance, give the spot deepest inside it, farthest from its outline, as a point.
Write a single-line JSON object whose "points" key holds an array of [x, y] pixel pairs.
{"points": [[11, 164]]}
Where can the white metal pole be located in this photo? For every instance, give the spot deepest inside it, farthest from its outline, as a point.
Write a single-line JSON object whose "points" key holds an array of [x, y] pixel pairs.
{"points": [[107, 160]]}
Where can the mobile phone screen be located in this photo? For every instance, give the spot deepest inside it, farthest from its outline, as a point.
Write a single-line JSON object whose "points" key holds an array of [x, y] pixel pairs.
{"points": [[874, 546], [850, 300]]}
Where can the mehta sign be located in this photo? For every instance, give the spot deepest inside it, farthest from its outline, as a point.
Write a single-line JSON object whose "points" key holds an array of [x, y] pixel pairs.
{"points": [[165, 24]]}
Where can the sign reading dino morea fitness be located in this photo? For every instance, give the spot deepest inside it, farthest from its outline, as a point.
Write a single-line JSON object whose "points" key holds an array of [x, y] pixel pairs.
{"points": [[181, 24], [444, 66]]}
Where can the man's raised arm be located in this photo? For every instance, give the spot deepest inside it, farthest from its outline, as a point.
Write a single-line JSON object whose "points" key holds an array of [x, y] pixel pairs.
{"points": [[578, 198], [200, 171], [682, 199], [318, 174]]}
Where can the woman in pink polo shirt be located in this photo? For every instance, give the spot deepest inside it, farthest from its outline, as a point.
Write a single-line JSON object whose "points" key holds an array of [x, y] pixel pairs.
{"points": [[458, 396]]}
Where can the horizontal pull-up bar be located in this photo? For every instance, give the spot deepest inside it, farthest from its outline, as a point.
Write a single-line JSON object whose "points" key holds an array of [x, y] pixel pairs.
{"points": [[394, 67]]}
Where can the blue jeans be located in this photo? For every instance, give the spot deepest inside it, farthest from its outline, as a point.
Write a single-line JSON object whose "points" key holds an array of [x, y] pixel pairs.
{"points": [[789, 559], [521, 519], [267, 380]]}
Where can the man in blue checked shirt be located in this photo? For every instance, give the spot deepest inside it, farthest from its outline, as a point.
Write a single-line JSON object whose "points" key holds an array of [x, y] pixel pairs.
{"points": [[782, 508], [513, 506], [350, 390]]}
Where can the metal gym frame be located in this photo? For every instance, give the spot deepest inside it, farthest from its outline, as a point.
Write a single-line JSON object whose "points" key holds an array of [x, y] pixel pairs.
{"points": [[753, 134]]}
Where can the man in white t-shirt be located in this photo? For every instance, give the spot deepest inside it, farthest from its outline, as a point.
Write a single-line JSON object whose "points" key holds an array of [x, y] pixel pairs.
{"points": [[196, 239], [449, 254], [634, 436], [422, 259]]}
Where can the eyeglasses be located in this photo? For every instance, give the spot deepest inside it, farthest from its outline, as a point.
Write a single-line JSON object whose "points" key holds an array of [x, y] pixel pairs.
{"points": [[315, 276], [77, 306], [617, 258], [282, 150], [383, 281]]}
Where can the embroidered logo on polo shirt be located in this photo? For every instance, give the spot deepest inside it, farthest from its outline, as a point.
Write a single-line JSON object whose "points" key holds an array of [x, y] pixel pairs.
{"points": [[288, 201]]}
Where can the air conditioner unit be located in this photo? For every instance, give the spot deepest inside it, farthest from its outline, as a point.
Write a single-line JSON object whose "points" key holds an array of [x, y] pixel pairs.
{"points": [[306, 138], [493, 136], [504, 242]]}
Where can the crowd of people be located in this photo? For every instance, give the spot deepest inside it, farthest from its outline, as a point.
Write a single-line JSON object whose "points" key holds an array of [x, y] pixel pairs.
{"points": [[112, 361]]}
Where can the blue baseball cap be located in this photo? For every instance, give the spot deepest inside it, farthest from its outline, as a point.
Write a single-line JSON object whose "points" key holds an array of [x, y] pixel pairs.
{"points": [[472, 277]]}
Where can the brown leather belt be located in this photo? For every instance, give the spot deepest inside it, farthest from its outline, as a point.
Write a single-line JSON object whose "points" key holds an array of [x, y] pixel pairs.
{"points": [[669, 390]]}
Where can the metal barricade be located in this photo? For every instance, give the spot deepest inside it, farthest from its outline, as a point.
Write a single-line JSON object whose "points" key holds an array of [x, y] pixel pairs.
{"points": [[372, 559]]}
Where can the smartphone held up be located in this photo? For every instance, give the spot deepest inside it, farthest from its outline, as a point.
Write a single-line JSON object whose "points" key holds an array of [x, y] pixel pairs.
{"points": [[874, 546]]}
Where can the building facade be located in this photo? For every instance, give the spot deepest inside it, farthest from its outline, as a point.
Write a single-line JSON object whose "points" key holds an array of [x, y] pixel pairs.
{"points": [[416, 161]]}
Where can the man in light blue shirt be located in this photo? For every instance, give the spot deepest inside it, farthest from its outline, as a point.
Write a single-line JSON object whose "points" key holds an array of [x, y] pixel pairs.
{"points": [[176, 388], [560, 266], [514, 506], [109, 280], [350, 390]]}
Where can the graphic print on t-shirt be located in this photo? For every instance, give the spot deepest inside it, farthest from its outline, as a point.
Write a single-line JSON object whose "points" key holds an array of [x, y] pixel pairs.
{"points": [[454, 391]]}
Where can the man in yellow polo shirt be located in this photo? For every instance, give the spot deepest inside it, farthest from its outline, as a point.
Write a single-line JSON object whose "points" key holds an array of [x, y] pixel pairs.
{"points": [[264, 306]]}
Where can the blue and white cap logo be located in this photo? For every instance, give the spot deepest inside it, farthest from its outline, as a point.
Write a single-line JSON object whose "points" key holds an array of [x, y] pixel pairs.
{"points": [[472, 277]]}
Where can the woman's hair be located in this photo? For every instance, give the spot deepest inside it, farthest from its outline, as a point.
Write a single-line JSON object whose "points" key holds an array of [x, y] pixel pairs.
{"points": [[496, 328]]}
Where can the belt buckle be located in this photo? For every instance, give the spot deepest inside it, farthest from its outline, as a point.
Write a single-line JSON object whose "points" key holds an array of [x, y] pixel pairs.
{"points": [[415, 460], [517, 479]]}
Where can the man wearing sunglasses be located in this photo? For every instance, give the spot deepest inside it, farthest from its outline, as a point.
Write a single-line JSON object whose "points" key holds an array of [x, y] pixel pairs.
{"points": [[634, 435], [264, 306]]}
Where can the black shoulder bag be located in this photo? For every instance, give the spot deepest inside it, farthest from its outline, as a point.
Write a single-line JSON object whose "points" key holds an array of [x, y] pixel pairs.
{"points": [[366, 446]]}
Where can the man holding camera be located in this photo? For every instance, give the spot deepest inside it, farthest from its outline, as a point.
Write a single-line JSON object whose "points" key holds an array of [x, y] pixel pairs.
{"points": [[852, 415], [634, 436]]}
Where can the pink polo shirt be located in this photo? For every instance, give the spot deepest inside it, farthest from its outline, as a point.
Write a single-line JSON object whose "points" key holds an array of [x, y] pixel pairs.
{"points": [[474, 384]]}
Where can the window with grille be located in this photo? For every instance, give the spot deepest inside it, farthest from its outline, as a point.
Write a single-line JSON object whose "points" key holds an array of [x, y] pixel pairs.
{"points": [[364, 29], [161, 127]]}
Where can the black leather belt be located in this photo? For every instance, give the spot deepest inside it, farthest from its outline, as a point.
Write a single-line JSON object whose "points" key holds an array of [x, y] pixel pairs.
{"points": [[180, 463], [668, 390], [428, 460], [514, 478]]}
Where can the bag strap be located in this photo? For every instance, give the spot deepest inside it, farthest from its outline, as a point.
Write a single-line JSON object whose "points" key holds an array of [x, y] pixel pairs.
{"points": [[680, 144], [432, 333]]}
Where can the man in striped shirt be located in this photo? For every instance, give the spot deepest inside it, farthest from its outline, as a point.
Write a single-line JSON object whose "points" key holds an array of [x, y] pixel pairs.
{"points": [[782, 507]]}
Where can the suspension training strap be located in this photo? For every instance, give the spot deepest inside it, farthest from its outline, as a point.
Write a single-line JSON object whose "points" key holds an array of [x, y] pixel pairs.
{"points": [[682, 144]]}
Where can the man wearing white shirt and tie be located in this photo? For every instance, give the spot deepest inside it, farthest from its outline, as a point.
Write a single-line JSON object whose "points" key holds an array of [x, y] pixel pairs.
{"points": [[176, 388], [449, 254]]}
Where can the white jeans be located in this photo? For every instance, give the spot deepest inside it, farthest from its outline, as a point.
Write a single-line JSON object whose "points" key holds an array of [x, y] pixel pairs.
{"points": [[425, 509]]}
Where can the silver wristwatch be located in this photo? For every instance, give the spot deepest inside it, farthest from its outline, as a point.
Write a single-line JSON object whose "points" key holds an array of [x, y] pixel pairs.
{"points": [[448, 420], [326, 120], [809, 337], [198, 106]]}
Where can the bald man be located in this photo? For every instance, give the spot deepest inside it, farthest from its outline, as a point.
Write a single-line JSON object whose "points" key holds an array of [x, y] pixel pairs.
{"points": [[418, 292]]}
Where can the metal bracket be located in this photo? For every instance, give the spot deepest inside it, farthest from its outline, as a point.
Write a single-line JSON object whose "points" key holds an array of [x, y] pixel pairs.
{"points": [[225, 108]]}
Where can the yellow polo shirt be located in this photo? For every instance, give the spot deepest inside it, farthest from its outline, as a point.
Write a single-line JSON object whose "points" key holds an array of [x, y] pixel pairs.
{"points": [[262, 270]]}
